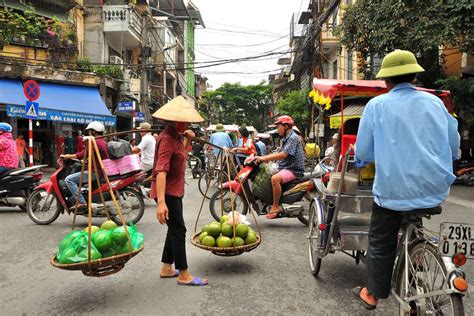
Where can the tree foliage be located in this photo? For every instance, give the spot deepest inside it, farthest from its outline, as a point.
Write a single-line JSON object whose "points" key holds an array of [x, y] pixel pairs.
{"points": [[376, 27], [294, 104], [233, 103]]}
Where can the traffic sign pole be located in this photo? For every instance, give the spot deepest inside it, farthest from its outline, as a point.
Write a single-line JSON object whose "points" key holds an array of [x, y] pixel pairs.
{"points": [[30, 137]]}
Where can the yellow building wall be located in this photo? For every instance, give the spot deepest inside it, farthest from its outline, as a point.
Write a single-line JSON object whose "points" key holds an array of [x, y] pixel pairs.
{"points": [[33, 54]]}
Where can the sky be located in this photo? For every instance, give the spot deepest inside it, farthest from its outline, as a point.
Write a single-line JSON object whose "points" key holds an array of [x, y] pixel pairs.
{"points": [[239, 29]]}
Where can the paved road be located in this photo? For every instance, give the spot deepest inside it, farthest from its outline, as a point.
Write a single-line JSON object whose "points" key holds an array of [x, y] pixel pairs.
{"points": [[272, 280]]}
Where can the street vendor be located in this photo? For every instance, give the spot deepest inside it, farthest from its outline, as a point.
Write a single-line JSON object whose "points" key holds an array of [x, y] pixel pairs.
{"points": [[290, 161], [413, 140], [167, 187]]}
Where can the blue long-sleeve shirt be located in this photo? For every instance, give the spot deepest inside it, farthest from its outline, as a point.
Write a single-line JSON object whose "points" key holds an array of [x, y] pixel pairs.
{"points": [[221, 139], [413, 140]]}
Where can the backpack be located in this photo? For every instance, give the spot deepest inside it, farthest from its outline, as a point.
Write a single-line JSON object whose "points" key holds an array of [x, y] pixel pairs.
{"points": [[118, 149]]}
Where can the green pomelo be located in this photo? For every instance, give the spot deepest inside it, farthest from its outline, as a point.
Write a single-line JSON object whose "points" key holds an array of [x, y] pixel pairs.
{"points": [[119, 236], [120, 249], [108, 225], [209, 241], [227, 230], [108, 253], [241, 230], [102, 240], [224, 218], [250, 239], [68, 240], [214, 230], [237, 241], [94, 254], [94, 229], [201, 236], [204, 228], [224, 242], [215, 223]]}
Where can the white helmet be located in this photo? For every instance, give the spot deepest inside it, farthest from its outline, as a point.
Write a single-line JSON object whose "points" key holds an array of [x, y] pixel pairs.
{"points": [[96, 126]]}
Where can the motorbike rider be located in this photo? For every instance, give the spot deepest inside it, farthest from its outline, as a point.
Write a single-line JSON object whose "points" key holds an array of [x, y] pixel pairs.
{"points": [[8, 151], [93, 129], [146, 148], [290, 161], [247, 148]]}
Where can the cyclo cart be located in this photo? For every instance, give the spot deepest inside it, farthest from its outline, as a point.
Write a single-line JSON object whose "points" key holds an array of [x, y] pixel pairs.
{"points": [[340, 216]]}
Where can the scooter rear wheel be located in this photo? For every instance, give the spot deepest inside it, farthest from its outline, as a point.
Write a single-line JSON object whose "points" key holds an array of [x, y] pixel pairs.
{"points": [[224, 198], [35, 211], [131, 204]]}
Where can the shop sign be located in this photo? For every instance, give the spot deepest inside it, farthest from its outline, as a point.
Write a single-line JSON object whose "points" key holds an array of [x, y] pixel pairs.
{"points": [[140, 117], [62, 116], [125, 106]]}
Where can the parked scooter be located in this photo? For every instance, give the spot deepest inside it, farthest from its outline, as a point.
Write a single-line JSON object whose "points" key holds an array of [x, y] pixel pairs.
{"points": [[53, 197], [294, 201], [465, 173], [17, 184]]}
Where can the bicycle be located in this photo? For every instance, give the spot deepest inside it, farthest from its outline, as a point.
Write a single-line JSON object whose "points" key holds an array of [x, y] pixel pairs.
{"points": [[211, 179], [424, 280]]}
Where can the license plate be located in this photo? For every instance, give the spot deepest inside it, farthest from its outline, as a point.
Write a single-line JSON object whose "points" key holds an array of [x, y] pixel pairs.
{"points": [[456, 237]]}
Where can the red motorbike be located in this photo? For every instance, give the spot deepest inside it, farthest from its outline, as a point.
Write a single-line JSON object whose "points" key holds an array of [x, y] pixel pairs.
{"points": [[53, 197]]}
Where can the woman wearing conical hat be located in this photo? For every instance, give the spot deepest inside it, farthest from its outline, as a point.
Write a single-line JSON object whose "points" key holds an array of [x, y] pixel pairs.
{"points": [[167, 187]]}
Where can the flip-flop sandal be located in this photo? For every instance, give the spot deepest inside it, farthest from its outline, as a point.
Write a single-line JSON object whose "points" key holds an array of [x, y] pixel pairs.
{"points": [[272, 215], [356, 292], [176, 273], [195, 282]]}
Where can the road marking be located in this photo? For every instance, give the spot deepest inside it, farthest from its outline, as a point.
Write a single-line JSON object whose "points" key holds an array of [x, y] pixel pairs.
{"points": [[465, 203]]}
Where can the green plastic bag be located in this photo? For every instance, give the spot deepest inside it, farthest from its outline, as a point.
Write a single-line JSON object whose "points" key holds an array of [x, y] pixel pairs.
{"points": [[262, 184], [77, 251], [66, 242], [121, 242], [136, 238]]}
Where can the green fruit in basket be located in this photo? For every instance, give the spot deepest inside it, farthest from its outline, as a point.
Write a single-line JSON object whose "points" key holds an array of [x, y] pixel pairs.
{"points": [[250, 239], [215, 223], [224, 218], [224, 242], [68, 240], [201, 236], [227, 230], [102, 240], [204, 229], [237, 241], [94, 254], [209, 241], [94, 229], [108, 225], [125, 248], [214, 230], [119, 236], [241, 230], [108, 253], [68, 255]]}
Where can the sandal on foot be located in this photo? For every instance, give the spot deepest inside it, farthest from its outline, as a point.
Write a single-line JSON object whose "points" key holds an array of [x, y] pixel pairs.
{"points": [[176, 273], [194, 282], [274, 214], [356, 292]]}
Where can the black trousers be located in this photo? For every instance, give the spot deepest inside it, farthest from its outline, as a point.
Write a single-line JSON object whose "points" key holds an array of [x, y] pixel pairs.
{"points": [[383, 239], [175, 243]]}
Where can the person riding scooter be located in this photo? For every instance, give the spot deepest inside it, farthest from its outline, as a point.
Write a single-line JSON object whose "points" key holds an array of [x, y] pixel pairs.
{"points": [[290, 161], [93, 129], [8, 152]]}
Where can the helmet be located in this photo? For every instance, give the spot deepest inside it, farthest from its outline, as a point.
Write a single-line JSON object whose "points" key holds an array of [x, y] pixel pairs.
{"points": [[96, 126], [284, 119], [7, 128], [398, 63]]}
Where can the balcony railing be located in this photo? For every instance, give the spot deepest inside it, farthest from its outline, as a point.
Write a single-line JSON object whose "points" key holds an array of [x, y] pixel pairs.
{"points": [[121, 18]]}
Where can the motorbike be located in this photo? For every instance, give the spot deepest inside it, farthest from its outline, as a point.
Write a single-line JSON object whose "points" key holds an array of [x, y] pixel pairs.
{"points": [[294, 202], [465, 173], [17, 184], [52, 198]]}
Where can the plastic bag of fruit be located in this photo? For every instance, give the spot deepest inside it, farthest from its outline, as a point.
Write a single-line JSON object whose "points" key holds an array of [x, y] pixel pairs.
{"points": [[77, 250]]}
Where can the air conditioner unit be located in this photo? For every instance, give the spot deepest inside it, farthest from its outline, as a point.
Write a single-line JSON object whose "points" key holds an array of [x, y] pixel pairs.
{"points": [[115, 60]]}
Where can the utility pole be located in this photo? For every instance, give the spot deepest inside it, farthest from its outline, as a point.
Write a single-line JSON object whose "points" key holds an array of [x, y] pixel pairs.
{"points": [[145, 53]]}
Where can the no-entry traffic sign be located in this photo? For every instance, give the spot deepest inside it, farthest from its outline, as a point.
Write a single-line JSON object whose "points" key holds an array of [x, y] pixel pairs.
{"points": [[31, 90]]}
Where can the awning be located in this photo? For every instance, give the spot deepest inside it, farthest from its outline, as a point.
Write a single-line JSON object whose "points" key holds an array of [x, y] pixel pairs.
{"points": [[351, 112], [57, 102]]}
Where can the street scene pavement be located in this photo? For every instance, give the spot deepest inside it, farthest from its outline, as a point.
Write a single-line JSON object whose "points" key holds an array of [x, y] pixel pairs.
{"points": [[274, 279]]}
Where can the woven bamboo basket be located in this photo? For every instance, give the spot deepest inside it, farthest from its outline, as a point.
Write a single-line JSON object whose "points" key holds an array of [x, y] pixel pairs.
{"points": [[100, 267], [226, 252]]}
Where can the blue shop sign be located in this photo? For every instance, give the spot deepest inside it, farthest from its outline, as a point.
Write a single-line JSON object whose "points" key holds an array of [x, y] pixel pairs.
{"points": [[140, 117], [62, 116]]}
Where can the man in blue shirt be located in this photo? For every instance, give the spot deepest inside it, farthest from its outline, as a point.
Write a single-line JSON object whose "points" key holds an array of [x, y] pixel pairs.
{"points": [[220, 138], [262, 148], [290, 161], [413, 140]]}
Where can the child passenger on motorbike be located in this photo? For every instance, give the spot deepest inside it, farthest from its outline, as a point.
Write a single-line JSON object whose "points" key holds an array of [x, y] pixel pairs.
{"points": [[72, 181], [290, 161]]}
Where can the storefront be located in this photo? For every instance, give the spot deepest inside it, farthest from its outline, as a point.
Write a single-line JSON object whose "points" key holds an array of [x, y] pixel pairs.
{"points": [[64, 110]]}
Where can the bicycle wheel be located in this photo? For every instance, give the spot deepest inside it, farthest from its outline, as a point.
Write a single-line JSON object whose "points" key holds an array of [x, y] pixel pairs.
{"points": [[314, 237], [427, 273], [220, 204], [210, 181]]}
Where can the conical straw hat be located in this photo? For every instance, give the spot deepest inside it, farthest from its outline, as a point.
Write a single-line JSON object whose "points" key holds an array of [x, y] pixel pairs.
{"points": [[178, 110]]}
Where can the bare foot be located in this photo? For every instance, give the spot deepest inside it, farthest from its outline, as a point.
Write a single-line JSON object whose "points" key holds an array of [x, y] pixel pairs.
{"points": [[167, 271]]}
